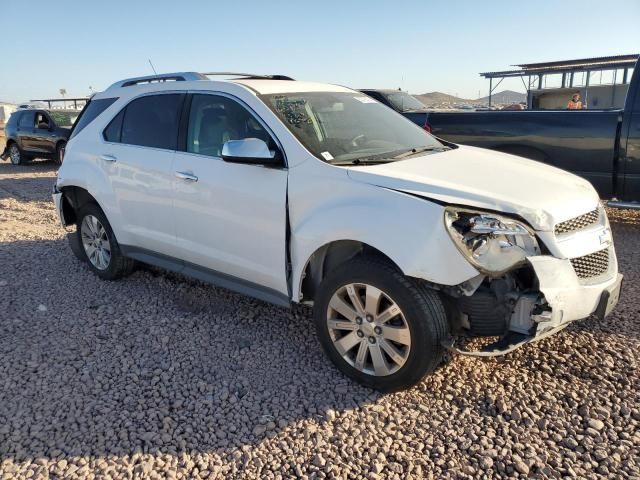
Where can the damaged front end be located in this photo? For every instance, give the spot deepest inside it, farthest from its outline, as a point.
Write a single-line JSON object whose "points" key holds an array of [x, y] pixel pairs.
{"points": [[523, 293]]}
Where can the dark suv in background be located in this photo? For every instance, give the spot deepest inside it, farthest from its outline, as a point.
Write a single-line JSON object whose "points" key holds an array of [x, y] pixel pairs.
{"points": [[33, 133]]}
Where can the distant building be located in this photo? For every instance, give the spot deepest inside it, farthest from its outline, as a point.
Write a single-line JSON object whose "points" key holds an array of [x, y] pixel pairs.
{"points": [[6, 109], [602, 82]]}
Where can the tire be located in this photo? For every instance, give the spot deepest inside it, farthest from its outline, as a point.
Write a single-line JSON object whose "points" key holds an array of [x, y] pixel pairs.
{"points": [[16, 156], [418, 313], [76, 245], [97, 233], [59, 152]]}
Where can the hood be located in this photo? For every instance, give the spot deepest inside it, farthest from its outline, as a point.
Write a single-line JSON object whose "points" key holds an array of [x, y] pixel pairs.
{"points": [[475, 177]]}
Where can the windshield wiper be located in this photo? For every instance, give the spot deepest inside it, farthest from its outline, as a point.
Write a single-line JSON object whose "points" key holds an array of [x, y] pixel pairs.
{"points": [[362, 161], [415, 151]]}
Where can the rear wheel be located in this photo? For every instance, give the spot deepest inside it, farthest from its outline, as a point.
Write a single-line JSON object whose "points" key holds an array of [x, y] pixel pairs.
{"points": [[379, 327], [100, 248], [60, 152]]}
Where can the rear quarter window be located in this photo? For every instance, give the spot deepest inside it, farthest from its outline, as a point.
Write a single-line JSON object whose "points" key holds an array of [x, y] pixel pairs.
{"points": [[90, 112]]}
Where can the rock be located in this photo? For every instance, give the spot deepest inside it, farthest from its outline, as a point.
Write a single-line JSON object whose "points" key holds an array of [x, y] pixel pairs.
{"points": [[600, 454], [521, 467], [596, 424], [571, 443], [486, 463]]}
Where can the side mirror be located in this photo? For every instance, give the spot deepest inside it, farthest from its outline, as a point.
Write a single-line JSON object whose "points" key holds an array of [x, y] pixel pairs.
{"points": [[252, 151]]}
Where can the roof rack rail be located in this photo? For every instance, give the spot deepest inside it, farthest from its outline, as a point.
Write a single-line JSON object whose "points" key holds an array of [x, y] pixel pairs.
{"points": [[162, 77], [249, 75]]}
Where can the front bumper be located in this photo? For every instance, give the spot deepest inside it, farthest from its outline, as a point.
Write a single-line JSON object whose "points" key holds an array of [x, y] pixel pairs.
{"points": [[567, 297]]}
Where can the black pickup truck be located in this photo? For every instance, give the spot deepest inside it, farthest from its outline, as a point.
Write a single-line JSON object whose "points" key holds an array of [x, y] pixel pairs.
{"points": [[602, 146]]}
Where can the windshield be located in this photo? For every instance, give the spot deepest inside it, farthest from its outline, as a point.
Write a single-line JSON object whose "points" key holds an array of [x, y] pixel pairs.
{"points": [[404, 102], [348, 126], [64, 119]]}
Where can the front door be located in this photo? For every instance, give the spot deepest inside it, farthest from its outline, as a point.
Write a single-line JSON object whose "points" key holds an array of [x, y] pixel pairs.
{"points": [[230, 218], [43, 135]]}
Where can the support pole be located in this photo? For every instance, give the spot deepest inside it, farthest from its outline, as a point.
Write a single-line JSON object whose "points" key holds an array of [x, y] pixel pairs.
{"points": [[490, 89], [586, 89], [613, 89]]}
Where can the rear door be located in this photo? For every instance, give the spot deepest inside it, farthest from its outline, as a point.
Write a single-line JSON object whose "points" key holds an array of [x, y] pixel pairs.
{"points": [[136, 156], [25, 130], [230, 218], [631, 157]]}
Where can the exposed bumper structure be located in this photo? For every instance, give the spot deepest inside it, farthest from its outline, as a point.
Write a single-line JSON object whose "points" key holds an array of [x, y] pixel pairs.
{"points": [[57, 199], [568, 298]]}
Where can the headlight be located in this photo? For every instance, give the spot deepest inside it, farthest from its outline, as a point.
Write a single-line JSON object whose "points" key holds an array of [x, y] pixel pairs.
{"points": [[492, 243]]}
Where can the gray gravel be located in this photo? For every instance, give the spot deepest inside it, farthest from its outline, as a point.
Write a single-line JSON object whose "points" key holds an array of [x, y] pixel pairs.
{"points": [[159, 376]]}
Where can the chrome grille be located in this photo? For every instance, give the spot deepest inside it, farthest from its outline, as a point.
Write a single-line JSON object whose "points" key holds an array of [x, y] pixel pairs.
{"points": [[578, 223], [591, 265]]}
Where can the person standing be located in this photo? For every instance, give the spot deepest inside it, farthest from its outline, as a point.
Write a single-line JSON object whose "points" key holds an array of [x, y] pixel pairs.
{"points": [[575, 103]]}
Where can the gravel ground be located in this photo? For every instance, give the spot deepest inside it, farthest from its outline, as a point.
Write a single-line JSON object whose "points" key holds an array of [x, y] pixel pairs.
{"points": [[158, 376]]}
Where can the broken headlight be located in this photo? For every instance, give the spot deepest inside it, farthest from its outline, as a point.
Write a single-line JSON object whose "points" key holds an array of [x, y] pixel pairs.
{"points": [[492, 243]]}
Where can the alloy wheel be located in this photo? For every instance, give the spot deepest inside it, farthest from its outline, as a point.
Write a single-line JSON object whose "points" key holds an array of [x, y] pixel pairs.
{"points": [[368, 329], [14, 154], [95, 242]]}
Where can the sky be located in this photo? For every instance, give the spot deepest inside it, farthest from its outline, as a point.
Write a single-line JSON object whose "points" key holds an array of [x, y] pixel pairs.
{"points": [[419, 46]]}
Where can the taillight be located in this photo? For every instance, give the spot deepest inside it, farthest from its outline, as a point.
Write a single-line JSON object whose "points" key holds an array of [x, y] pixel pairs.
{"points": [[427, 127]]}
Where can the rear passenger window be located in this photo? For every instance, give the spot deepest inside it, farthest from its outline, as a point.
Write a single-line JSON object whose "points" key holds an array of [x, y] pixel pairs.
{"points": [[27, 120], [152, 121], [90, 112]]}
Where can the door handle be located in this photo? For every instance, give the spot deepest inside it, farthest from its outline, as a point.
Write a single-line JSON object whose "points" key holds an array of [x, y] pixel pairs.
{"points": [[108, 158], [187, 177]]}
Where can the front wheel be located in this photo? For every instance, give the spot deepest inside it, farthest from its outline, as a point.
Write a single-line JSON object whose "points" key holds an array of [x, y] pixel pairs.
{"points": [[378, 326]]}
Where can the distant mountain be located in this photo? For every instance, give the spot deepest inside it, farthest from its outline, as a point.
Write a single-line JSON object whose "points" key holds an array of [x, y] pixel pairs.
{"points": [[435, 98], [439, 98], [506, 96]]}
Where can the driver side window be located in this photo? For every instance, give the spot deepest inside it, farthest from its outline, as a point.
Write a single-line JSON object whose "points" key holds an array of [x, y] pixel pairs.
{"points": [[214, 119], [42, 121]]}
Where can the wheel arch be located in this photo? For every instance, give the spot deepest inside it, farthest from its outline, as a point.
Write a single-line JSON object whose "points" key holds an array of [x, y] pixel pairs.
{"points": [[73, 199], [328, 257]]}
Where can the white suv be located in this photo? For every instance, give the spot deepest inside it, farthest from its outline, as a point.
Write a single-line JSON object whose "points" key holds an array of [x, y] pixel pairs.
{"points": [[301, 192]]}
